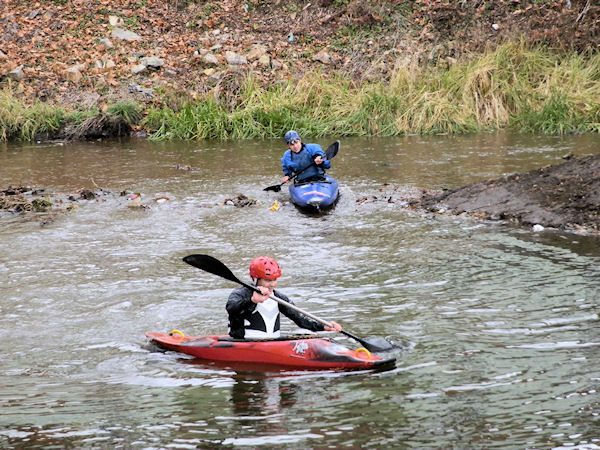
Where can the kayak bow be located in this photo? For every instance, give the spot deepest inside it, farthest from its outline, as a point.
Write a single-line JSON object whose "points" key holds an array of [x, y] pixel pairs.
{"points": [[315, 195]]}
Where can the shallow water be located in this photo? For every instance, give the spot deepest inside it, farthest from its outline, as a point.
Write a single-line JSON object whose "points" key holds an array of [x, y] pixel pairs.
{"points": [[498, 325]]}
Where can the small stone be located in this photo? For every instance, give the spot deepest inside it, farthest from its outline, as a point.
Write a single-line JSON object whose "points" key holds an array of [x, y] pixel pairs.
{"points": [[125, 35], [264, 60], [115, 21], [73, 74], [16, 74], [235, 59], [104, 64], [139, 68], [256, 52], [152, 61], [106, 42], [322, 57], [209, 58]]}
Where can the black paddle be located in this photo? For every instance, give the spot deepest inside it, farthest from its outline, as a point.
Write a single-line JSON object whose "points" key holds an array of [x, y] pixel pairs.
{"points": [[216, 267], [329, 153]]}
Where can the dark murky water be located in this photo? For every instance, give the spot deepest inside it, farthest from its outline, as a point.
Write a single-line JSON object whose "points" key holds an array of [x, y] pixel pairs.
{"points": [[502, 322]]}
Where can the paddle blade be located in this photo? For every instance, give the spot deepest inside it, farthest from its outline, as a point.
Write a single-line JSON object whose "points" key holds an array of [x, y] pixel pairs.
{"points": [[332, 150], [372, 344], [378, 345], [274, 188], [211, 265]]}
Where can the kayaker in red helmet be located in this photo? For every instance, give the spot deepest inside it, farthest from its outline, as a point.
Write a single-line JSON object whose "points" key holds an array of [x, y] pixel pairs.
{"points": [[252, 315], [299, 155]]}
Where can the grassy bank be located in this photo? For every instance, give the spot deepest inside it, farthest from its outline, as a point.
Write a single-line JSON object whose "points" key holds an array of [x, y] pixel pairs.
{"points": [[513, 87]]}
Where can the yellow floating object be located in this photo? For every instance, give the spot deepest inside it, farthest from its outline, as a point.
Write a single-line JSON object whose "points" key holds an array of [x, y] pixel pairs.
{"points": [[174, 332], [275, 206], [362, 349]]}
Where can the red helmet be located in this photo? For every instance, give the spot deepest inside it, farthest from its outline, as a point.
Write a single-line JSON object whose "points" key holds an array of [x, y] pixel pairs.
{"points": [[264, 267]]}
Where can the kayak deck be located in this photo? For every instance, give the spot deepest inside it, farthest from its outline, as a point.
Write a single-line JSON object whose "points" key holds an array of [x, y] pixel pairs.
{"points": [[305, 351], [317, 195]]}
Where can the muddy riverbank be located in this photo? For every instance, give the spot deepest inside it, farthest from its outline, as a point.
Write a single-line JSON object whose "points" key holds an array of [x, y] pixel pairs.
{"points": [[564, 196]]}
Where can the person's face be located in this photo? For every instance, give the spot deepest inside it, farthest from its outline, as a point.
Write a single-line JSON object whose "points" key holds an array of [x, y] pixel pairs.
{"points": [[295, 145], [269, 284]]}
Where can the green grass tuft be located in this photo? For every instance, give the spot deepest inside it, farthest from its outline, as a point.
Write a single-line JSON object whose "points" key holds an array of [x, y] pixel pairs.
{"points": [[127, 110], [25, 122]]}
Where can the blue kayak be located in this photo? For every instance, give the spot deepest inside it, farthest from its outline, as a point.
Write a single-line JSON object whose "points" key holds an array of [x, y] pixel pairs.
{"points": [[315, 195]]}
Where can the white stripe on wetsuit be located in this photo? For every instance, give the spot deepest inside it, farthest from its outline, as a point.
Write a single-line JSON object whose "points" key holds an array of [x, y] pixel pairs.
{"points": [[269, 310]]}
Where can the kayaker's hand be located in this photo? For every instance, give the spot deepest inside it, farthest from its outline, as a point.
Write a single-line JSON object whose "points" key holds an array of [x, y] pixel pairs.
{"points": [[318, 160], [258, 298], [285, 179], [335, 327]]}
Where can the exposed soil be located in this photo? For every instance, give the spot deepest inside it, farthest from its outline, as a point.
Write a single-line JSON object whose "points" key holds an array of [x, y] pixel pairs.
{"points": [[564, 196]]}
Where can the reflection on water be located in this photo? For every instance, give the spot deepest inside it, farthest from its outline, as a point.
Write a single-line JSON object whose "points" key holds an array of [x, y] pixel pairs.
{"points": [[502, 323]]}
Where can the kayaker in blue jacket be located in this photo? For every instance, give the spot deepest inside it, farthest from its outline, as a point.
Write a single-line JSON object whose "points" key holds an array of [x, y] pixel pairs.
{"points": [[252, 315], [299, 155]]}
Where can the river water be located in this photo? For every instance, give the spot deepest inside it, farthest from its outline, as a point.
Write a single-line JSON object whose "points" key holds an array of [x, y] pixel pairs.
{"points": [[497, 326]]}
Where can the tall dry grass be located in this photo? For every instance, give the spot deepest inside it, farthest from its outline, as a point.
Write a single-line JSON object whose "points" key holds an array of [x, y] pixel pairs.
{"points": [[532, 90]]}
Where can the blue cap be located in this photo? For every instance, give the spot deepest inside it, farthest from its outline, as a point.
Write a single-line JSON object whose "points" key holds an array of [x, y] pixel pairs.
{"points": [[290, 136]]}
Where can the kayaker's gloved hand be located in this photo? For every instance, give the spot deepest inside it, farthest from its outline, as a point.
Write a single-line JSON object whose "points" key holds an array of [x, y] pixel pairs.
{"points": [[258, 298], [334, 327]]}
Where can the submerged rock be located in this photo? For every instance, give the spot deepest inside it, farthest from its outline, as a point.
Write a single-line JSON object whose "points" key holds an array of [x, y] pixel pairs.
{"points": [[239, 201], [41, 204], [34, 204], [86, 194]]}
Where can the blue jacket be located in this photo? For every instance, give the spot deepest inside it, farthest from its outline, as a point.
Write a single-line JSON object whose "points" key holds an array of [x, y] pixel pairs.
{"points": [[293, 162]]}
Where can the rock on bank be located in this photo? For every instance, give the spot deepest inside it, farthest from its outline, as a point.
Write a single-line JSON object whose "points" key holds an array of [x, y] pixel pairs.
{"points": [[564, 196]]}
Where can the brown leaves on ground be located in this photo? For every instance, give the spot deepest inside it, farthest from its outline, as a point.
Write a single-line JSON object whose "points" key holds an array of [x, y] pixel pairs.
{"points": [[62, 45], [566, 24]]}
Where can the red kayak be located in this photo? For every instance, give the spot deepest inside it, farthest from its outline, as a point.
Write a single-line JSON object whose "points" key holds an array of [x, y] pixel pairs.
{"points": [[304, 352]]}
